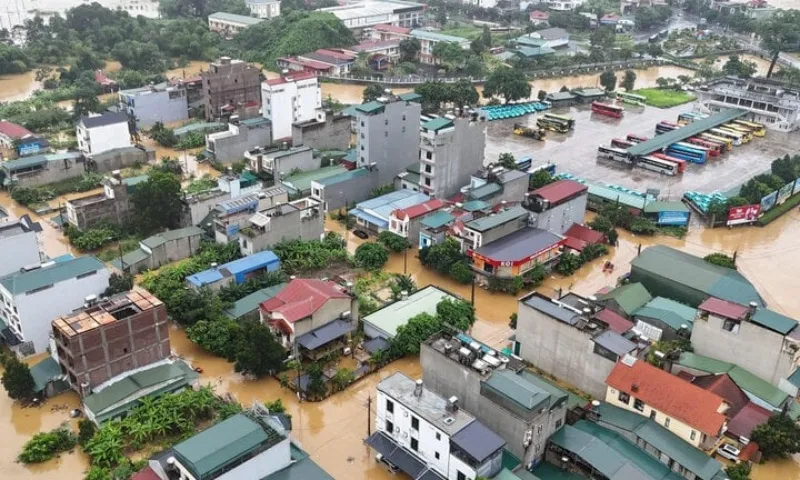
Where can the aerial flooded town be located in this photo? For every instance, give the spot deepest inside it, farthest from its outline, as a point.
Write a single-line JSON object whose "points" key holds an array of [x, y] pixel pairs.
{"points": [[390, 239]]}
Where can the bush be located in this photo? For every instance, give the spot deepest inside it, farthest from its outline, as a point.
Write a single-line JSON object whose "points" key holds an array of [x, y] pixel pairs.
{"points": [[778, 438], [444, 258], [86, 429], [643, 226], [507, 285], [392, 241], [44, 446], [592, 251], [92, 238], [721, 259], [568, 264], [27, 196], [738, 471], [371, 256], [461, 273]]}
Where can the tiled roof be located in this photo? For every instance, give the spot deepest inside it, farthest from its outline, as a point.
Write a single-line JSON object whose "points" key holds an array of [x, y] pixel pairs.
{"points": [[748, 418], [302, 297], [726, 388], [667, 393], [585, 234], [615, 322], [723, 308], [13, 130], [419, 209], [382, 27], [559, 191]]}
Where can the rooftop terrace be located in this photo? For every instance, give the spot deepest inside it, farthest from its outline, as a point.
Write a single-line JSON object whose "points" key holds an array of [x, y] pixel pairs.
{"points": [[106, 312]]}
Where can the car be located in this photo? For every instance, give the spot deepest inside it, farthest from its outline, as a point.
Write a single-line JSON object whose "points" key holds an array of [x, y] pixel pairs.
{"points": [[361, 234], [728, 451]]}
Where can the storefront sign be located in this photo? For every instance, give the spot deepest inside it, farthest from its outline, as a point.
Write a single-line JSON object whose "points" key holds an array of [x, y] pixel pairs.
{"points": [[769, 201], [743, 214]]}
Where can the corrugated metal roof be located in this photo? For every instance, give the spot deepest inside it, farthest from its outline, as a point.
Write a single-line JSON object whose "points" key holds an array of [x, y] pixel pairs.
{"points": [[659, 142], [325, 334], [630, 297], [161, 238], [104, 119], [44, 372], [130, 258], [475, 205], [437, 220], [28, 162], [251, 302], [478, 440], [614, 342], [22, 282], [668, 311], [495, 220], [370, 107], [301, 182], [773, 321], [436, 36], [242, 265], [389, 318], [437, 124], [517, 389], [231, 17], [485, 191], [612, 195], [559, 190], [410, 96], [552, 309], [659, 206], [520, 244]]}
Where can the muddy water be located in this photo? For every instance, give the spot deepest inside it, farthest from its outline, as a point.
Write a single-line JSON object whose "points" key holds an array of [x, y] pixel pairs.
{"points": [[18, 86]]}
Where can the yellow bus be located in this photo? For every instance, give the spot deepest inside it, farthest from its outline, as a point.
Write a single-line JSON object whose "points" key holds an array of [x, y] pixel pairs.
{"points": [[736, 137], [748, 133], [725, 141], [758, 129]]}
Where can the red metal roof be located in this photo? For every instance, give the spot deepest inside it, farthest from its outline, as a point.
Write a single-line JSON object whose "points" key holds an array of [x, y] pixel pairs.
{"points": [[12, 130], [584, 234], [419, 209], [748, 418], [301, 298], [574, 243], [374, 45], [723, 386], [336, 54], [382, 27], [146, 473], [723, 308], [559, 191], [667, 393], [615, 321], [102, 79], [294, 77], [539, 15]]}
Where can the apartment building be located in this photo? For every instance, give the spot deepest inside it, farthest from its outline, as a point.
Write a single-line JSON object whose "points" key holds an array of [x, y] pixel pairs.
{"points": [[428, 40], [301, 219], [20, 244], [281, 162], [229, 24], [450, 151], [427, 436], [111, 337], [520, 406], [242, 135], [230, 87], [328, 131], [558, 206], [290, 99], [155, 103], [37, 294], [774, 103], [405, 222], [695, 415], [363, 15], [101, 133], [264, 8]]}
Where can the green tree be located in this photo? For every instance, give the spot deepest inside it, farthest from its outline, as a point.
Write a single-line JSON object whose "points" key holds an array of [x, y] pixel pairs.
{"points": [[17, 378], [188, 306], [507, 160], [221, 336], [316, 383], [778, 438], [509, 83], [162, 135], [541, 95], [373, 91], [629, 80], [603, 38], [392, 241], [456, 313], [86, 430], [45, 445], [403, 283], [568, 264], [486, 37], [157, 202], [721, 259], [371, 256], [738, 471], [643, 226], [201, 8], [409, 49], [260, 352], [342, 378], [462, 93], [418, 329], [86, 102], [449, 55], [738, 68], [608, 80], [779, 32], [540, 179], [460, 272], [512, 320], [118, 283]]}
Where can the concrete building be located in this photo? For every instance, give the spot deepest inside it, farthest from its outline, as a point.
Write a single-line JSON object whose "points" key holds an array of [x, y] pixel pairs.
{"points": [[291, 98], [426, 436], [561, 338], [485, 229], [521, 407], [383, 323], [433, 228], [230, 216], [664, 319], [107, 339], [161, 249], [27, 143], [375, 214], [155, 103], [450, 151], [481, 3], [230, 87], [229, 24], [344, 188], [252, 444], [198, 207], [113, 205], [297, 220], [101, 133], [312, 318], [236, 272], [508, 186], [388, 135], [281, 162], [36, 295], [695, 415], [554, 37], [405, 222], [558, 206], [264, 8], [763, 341], [363, 15], [428, 40], [20, 245], [328, 131], [230, 146], [774, 103], [517, 253]]}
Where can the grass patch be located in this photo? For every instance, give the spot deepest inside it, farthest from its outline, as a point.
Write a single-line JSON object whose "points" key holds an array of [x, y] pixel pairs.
{"points": [[776, 212], [111, 252], [664, 98], [470, 32]]}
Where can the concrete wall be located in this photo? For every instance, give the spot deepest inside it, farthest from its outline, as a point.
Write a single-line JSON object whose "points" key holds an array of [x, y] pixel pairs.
{"points": [[390, 139], [561, 350], [754, 348], [87, 212], [287, 160], [118, 159], [457, 154], [103, 138], [350, 192], [501, 231], [332, 133], [559, 218], [332, 310], [174, 250], [513, 191], [149, 107], [52, 172], [199, 206], [229, 148], [18, 251], [284, 227], [229, 81], [290, 102]]}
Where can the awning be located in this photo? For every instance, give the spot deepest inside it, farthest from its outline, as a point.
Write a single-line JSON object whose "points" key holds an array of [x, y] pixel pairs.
{"points": [[396, 455], [325, 334], [376, 344], [369, 218]]}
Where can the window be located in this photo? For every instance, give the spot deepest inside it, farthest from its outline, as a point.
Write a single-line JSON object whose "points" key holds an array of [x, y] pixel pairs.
{"points": [[389, 406], [428, 155], [666, 422], [362, 134], [362, 149], [389, 426], [428, 169], [731, 326], [652, 414], [427, 182], [404, 117], [693, 435], [386, 134], [558, 424], [638, 405], [624, 398], [415, 423], [438, 436], [362, 123], [414, 444], [436, 455], [460, 476], [386, 122]]}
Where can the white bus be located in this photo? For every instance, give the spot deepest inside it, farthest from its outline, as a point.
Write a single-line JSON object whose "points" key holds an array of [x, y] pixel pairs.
{"points": [[657, 165], [613, 154]]}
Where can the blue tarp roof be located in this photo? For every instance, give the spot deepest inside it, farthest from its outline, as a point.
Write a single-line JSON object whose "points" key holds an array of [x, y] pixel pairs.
{"points": [[236, 267]]}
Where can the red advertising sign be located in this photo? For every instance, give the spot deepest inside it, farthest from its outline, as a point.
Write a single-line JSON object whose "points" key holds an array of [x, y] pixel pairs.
{"points": [[743, 214]]}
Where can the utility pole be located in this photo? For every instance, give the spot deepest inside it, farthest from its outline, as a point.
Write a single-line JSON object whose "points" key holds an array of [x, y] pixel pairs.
{"points": [[405, 261], [472, 294], [369, 415]]}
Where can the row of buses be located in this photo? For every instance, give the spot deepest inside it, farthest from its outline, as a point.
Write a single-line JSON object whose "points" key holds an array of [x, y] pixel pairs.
{"points": [[663, 163]]}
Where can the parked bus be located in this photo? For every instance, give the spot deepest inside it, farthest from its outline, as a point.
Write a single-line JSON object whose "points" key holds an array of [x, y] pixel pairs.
{"points": [[681, 163], [569, 121], [657, 165], [714, 148], [691, 146], [715, 138], [664, 128], [632, 98], [689, 117], [553, 124], [613, 154], [735, 137], [608, 110], [524, 163], [688, 154], [748, 133], [759, 130], [547, 167], [636, 138], [620, 143]]}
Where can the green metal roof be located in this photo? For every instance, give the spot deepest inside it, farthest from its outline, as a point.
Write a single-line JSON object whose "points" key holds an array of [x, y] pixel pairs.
{"points": [[198, 126], [302, 468], [130, 258], [437, 124], [773, 320], [222, 444], [546, 471], [616, 196], [695, 273], [437, 220], [389, 318], [659, 206], [557, 96], [492, 221], [518, 389], [436, 36], [589, 92], [662, 439], [161, 238], [630, 297], [475, 205], [410, 96], [343, 177], [44, 372], [301, 181], [251, 302], [37, 160], [22, 282], [742, 378], [485, 191], [659, 142], [668, 311], [505, 474], [509, 460], [370, 107], [231, 17]]}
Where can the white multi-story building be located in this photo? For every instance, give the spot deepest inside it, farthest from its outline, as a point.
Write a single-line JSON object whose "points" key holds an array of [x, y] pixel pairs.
{"points": [[774, 103], [427, 436], [264, 8], [290, 99], [480, 3], [101, 133], [20, 245], [155, 103], [35, 296], [361, 15]]}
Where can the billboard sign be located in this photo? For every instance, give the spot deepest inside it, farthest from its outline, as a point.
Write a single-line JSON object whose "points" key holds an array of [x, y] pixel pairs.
{"points": [[673, 218], [769, 201], [743, 214], [785, 192]]}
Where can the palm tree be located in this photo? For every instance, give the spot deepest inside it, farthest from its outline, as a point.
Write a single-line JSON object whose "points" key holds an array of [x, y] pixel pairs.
{"points": [[405, 283]]}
